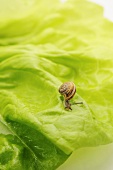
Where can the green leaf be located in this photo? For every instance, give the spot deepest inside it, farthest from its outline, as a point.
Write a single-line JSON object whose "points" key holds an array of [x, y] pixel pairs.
{"points": [[39, 51]]}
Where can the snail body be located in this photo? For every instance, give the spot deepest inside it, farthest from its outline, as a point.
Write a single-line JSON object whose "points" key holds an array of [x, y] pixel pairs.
{"points": [[68, 90]]}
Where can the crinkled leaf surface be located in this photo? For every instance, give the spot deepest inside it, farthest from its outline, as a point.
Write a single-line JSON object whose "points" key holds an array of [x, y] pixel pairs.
{"points": [[43, 45]]}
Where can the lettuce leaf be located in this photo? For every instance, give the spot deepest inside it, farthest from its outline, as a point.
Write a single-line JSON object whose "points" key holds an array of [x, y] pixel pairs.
{"points": [[13, 154], [41, 48]]}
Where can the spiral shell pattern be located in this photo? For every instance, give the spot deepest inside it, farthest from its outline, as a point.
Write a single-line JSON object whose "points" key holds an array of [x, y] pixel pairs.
{"points": [[68, 90]]}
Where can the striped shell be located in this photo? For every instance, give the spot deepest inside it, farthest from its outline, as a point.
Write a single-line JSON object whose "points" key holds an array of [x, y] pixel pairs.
{"points": [[68, 90]]}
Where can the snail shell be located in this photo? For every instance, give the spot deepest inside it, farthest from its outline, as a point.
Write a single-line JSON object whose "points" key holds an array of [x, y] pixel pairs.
{"points": [[68, 90]]}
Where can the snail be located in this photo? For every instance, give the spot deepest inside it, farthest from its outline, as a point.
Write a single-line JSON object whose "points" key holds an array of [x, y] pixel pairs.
{"points": [[68, 90]]}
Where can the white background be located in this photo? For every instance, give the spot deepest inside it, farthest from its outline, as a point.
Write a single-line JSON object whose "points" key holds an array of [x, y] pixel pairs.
{"points": [[101, 157], [108, 7]]}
